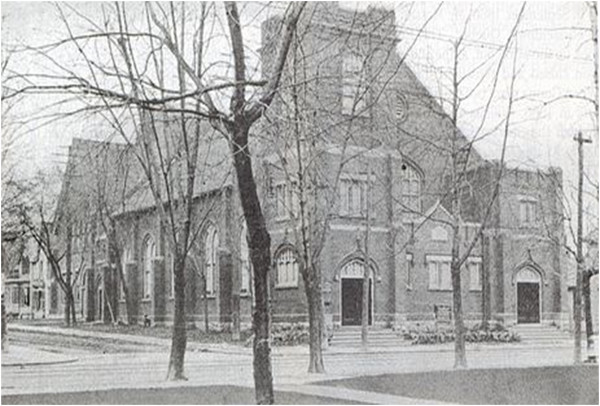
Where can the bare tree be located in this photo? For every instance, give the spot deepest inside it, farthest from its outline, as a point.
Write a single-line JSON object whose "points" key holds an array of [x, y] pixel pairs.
{"points": [[136, 86], [459, 167], [34, 208]]}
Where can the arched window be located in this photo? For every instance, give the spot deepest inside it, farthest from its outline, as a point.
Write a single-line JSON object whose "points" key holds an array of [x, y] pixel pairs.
{"points": [[171, 267], [287, 269], [125, 259], [83, 293], [211, 258], [411, 189], [149, 253], [245, 264]]}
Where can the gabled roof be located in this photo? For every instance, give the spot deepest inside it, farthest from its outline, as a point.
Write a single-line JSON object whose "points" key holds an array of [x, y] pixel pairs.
{"points": [[111, 174]]}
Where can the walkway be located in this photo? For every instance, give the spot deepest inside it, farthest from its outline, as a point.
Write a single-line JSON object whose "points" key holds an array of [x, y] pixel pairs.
{"points": [[354, 395]]}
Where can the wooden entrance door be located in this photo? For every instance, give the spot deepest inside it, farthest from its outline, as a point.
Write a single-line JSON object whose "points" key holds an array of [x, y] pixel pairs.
{"points": [[528, 302], [352, 293]]}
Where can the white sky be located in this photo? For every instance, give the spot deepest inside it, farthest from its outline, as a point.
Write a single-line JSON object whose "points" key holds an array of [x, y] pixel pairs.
{"points": [[555, 58]]}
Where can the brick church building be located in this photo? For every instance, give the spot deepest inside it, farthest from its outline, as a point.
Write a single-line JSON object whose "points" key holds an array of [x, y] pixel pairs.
{"points": [[378, 147]]}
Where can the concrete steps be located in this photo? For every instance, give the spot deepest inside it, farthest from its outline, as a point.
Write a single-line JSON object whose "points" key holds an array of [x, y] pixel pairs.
{"points": [[380, 337], [534, 334], [542, 334]]}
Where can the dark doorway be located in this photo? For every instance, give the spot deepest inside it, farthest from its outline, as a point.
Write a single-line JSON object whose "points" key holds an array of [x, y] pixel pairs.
{"points": [[352, 293], [528, 302]]}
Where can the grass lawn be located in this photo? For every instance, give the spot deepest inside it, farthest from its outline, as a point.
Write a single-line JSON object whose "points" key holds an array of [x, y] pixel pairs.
{"points": [[203, 395], [193, 334], [544, 385]]}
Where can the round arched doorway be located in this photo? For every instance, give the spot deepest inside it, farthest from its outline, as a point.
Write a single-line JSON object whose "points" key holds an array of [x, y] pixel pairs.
{"points": [[351, 287], [529, 292]]}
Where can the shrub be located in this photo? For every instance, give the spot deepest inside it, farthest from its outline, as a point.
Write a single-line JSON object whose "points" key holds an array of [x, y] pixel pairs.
{"points": [[286, 334], [494, 334]]}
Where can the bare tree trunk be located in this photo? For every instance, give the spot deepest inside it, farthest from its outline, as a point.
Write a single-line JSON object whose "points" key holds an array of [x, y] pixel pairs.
{"points": [[4, 329], [315, 315], [580, 265], [72, 309], [460, 356], [130, 306], [179, 336], [587, 307], [364, 333], [260, 254], [67, 285], [485, 286], [69, 307], [205, 300]]}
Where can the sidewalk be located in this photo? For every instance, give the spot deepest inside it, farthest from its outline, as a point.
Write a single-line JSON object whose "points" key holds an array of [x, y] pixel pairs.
{"points": [[354, 395], [226, 348], [18, 356]]}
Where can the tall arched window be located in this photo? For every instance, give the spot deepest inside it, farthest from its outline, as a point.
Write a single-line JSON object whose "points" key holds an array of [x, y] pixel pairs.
{"points": [[245, 264], [211, 258], [126, 257], [149, 254], [411, 189], [287, 269], [83, 293], [171, 267]]}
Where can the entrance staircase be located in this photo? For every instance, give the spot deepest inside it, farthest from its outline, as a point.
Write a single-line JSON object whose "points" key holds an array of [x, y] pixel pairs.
{"points": [[540, 335], [531, 334], [350, 336]]}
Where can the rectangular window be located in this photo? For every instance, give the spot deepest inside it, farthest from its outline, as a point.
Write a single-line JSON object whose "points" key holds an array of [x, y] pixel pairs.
{"points": [[354, 94], [440, 277], [280, 200], [474, 267], [245, 283], [528, 212], [409, 270], [209, 275], [286, 201], [411, 190], [353, 197]]}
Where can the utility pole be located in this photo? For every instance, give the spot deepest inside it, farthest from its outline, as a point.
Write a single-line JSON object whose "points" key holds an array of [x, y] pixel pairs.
{"points": [[579, 276], [365, 291]]}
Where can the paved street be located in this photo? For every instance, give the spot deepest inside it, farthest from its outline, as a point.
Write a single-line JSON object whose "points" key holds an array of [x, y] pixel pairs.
{"points": [[96, 371]]}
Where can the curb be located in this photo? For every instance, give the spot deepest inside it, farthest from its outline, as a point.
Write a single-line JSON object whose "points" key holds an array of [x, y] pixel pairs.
{"points": [[38, 363]]}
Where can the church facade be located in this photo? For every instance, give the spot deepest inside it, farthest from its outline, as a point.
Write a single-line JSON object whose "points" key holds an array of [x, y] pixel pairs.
{"points": [[377, 145]]}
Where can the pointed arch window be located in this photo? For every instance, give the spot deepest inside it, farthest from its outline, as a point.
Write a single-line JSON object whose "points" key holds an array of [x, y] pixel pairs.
{"points": [[211, 258], [125, 259], [149, 253], [287, 269], [411, 189]]}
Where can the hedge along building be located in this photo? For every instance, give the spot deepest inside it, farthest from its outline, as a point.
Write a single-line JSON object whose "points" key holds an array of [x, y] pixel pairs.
{"points": [[374, 137]]}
